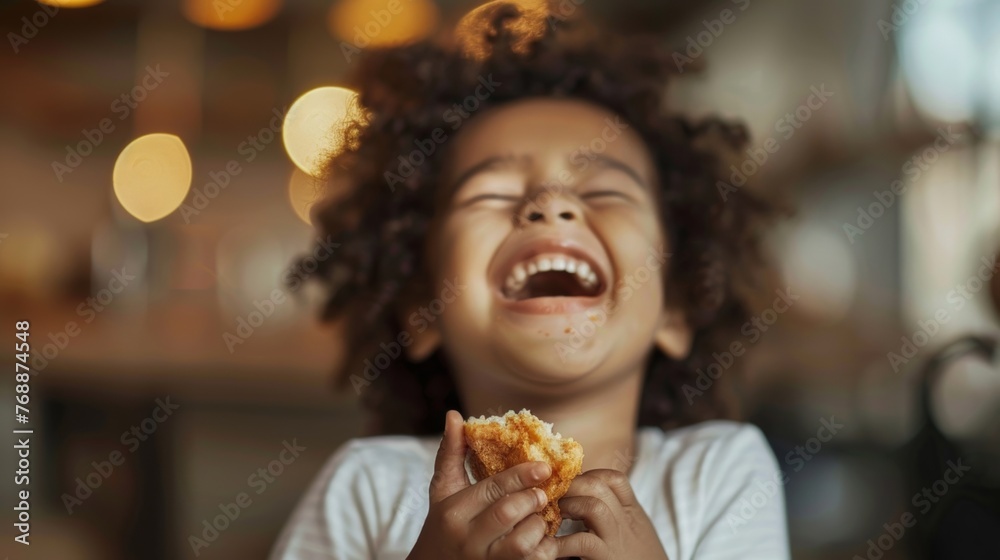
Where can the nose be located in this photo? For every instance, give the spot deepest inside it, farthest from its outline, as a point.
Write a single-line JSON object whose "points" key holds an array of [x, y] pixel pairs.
{"points": [[547, 207]]}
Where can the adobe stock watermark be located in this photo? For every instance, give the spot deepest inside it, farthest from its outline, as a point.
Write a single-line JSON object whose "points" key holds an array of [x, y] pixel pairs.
{"points": [[956, 299], [923, 502], [365, 33], [225, 7], [913, 169], [264, 308], [415, 501], [580, 159], [461, 112], [766, 490], [787, 126], [132, 438], [713, 28], [219, 180], [31, 26], [901, 13], [625, 289], [420, 320], [121, 106], [424, 148], [753, 330], [88, 309], [260, 480]]}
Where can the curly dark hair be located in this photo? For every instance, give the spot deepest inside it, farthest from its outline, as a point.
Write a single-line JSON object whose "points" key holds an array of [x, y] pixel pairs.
{"points": [[404, 94]]}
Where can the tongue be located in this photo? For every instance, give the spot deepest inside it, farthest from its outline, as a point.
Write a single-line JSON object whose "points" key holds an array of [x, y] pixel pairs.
{"points": [[553, 284]]}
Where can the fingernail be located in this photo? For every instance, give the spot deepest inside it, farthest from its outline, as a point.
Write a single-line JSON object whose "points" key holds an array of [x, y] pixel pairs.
{"points": [[540, 471], [542, 498]]}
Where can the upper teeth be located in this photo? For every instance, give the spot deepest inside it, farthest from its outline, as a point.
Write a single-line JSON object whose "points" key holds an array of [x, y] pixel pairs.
{"points": [[519, 275]]}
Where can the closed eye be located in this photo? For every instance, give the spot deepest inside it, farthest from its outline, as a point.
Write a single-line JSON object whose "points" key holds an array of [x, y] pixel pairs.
{"points": [[606, 193], [490, 196]]}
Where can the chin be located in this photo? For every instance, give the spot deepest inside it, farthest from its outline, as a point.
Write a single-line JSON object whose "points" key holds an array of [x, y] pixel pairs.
{"points": [[556, 363]]}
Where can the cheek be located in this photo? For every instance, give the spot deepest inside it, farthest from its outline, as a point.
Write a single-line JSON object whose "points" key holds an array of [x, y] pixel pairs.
{"points": [[467, 243], [635, 243], [636, 315], [640, 259], [464, 252], [638, 218]]}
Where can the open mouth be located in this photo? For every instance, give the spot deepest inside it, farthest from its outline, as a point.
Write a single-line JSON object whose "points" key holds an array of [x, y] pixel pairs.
{"points": [[552, 275]]}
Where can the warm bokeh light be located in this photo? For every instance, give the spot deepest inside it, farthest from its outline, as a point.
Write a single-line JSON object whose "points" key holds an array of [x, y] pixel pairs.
{"points": [[303, 192], [312, 125], [30, 260], [231, 15], [364, 23], [152, 176], [70, 3]]}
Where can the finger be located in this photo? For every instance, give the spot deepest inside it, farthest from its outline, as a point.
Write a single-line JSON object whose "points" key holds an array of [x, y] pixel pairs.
{"points": [[592, 484], [474, 500], [618, 483], [521, 541], [546, 550], [449, 465], [519, 477], [500, 518], [586, 546], [594, 512]]}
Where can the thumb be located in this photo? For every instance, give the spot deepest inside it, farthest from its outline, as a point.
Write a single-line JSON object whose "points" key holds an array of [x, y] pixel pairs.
{"points": [[449, 466]]}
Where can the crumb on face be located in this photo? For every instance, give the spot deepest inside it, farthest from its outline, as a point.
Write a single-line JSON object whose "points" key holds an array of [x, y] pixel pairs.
{"points": [[552, 209]]}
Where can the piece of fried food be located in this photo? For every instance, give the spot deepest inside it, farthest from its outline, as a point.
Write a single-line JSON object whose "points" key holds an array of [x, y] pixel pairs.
{"points": [[498, 443]]}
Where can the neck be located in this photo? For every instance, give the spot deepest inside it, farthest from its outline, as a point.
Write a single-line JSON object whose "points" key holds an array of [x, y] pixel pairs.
{"points": [[602, 419]]}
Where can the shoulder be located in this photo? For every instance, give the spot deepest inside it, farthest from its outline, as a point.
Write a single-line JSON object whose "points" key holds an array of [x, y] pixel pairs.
{"points": [[709, 451], [723, 438], [367, 486], [719, 491], [385, 461], [376, 450]]}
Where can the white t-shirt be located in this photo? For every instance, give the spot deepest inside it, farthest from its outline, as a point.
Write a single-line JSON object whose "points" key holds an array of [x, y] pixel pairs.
{"points": [[713, 491]]}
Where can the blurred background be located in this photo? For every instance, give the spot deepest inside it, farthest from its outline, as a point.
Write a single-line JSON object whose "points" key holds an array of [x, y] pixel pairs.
{"points": [[157, 160]]}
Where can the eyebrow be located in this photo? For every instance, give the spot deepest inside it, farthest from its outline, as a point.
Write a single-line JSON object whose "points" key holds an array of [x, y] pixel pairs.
{"points": [[609, 162], [488, 164], [509, 160]]}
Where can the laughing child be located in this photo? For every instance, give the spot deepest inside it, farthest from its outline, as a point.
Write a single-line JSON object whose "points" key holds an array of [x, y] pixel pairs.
{"points": [[528, 226]]}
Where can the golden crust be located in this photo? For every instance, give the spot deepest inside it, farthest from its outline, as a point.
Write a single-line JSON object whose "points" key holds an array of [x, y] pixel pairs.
{"points": [[499, 443]]}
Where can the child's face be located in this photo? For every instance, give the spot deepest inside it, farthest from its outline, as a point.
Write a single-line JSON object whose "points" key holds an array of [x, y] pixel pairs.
{"points": [[529, 188]]}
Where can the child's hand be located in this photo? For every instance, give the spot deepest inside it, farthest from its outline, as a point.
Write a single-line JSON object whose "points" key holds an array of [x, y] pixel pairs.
{"points": [[619, 528], [490, 520]]}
